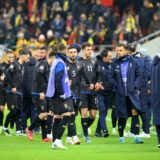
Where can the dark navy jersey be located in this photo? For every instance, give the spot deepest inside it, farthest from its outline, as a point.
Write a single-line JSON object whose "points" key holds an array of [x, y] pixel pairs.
{"points": [[104, 72], [4, 68], [91, 71], [14, 76], [41, 77], [75, 72]]}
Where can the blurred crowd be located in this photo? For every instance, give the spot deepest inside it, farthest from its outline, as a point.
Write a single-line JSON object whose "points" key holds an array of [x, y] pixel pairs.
{"points": [[46, 22]]}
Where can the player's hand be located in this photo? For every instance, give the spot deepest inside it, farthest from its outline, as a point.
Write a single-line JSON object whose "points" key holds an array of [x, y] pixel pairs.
{"points": [[50, 113], [2, 77], [91, 86], [101, 86], [70, 82], [14, 90], [1, 108], [42, 96], [97, 87]]}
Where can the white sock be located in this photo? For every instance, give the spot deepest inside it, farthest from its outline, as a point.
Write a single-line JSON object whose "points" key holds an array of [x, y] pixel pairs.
{"points": [[75, 138], [58, 141]]}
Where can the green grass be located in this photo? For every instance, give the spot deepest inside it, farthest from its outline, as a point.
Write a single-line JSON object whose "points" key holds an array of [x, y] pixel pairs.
{"points": [[19, 148]]}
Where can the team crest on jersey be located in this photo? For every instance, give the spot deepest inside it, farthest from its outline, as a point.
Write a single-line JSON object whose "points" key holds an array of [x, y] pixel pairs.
{"points": [[78, 67], [11, 66], [42, 108], [12, 106], [41, 67], [103, 68], [109, 66], [93, 62], [65, 106]]}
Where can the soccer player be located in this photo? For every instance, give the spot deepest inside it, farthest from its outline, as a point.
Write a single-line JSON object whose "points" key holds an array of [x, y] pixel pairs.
{"points": [[75, 71], [127, 78], [145, 66], [39, 89], [59, 92], [88, 97], [104, 68], [155, 100], [3, 99], [14, 91]]}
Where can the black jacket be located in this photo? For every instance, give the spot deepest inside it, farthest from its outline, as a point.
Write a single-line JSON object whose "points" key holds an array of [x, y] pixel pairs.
{"points": [[29, 69]]}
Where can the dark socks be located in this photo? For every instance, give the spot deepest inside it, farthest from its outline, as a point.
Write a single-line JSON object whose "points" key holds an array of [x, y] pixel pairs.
{"points": [[72, 126], [49, 124], [62, 126], [121, 126], [44, 128], [8, 119], [55, 127], [135, 125], [90, 121], [145, 123], [114, 118], [1, 118], [158, 133], [84, 122], [34, 124]]}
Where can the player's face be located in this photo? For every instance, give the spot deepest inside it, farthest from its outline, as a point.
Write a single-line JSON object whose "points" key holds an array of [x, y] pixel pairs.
{"points": [[43, 54], [88, 52], [121, 51], [37, 54], [10, 57], [72, 54], [108, 58], [25, 58]]}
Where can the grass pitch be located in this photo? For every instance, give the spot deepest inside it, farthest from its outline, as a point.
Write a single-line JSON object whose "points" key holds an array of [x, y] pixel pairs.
{"points": [[19, 148]]}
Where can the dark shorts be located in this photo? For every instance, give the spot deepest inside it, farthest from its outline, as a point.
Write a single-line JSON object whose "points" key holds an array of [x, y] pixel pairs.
{"points": [[60, 106], [42, 106], [14, 102], [89, 101], [3, 98]]}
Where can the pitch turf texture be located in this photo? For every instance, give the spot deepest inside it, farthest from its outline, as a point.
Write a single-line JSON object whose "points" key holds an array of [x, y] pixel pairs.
{"points": [[19, 148]]}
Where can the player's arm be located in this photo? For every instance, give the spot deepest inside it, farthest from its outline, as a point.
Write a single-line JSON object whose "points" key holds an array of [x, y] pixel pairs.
{"points": [[9, 77]]}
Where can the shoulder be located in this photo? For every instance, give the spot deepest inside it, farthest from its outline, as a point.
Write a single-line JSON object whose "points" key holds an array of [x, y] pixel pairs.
{"points": [[41, 66]]}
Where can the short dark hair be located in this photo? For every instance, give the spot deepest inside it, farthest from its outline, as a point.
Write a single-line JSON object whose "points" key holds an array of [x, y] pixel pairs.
{"points": [[24, 52], [104, 53], [58, 47], [122, 44], [44, 48], [75, 46], [86, 44]]}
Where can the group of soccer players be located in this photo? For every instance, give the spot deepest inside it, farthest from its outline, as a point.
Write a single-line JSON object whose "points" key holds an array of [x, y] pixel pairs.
{"points": [[52, 85]]}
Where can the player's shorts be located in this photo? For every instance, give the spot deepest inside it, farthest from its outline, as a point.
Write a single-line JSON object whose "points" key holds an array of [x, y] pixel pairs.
{"points": [[60, 106], [3, 98], [14, 102], [41, 105], [89, 101]]}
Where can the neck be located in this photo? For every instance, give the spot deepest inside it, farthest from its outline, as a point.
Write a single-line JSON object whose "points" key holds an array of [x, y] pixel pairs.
{"points": [[85, 57], [49, 61], [20, 61], [72, 61]]}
